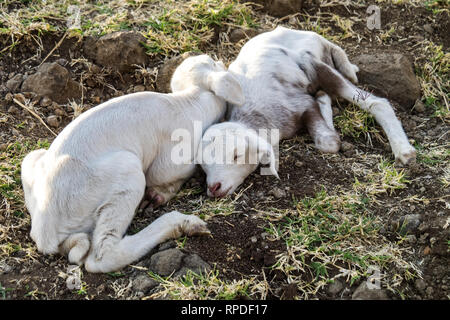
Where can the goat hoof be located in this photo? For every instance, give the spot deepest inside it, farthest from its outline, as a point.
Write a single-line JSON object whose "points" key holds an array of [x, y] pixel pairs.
{"points": [[407, 158], [194, 226]]}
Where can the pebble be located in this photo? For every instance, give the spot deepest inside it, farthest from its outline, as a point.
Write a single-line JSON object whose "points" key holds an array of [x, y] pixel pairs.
{"points": [[139, 88], [419, 106], [347, 146], [277, 193], [144, 283], [428, 28], [335, 287], [54, 121], [20, 97], [299, 164], [46, 101], [14, 110], [420, 284]]}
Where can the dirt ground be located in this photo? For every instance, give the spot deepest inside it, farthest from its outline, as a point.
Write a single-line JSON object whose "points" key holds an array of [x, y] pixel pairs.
{"points": [[317, 232]]}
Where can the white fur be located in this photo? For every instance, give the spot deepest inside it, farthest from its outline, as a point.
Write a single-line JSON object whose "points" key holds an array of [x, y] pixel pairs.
{"points": [[275, 70], [83, 191]]}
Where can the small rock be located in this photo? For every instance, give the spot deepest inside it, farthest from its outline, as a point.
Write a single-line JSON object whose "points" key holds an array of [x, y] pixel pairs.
{"points": [[427, 251], [363, 292], [346, 146], [299, 164], [428, 28], [409, 223], [60, 112], [238, 34], [9, 97], [429, 291], [166, 262], [5, 268], [54, 121], [63, 62], [144, 283], [139, 88], [53, 81], [46, 101], [120, 50], [336, 111], [167, 245], [195, 263], [14, 110], [14, 83], [419, 106], [335, 287], [253, 239], [411, 239], [20, 97], [277, 193], [420, 284]]}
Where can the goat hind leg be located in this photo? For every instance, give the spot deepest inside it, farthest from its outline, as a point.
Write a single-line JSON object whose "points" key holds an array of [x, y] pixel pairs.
{"points": [[325, 138], [335, 84]]}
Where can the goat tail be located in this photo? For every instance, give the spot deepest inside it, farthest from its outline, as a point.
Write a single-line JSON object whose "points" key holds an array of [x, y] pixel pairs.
{"points": [[76, 246]]}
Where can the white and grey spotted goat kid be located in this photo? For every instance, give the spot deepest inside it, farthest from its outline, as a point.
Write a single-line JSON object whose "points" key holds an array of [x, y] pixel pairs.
{"points": [[83, 191], [288, 77]]}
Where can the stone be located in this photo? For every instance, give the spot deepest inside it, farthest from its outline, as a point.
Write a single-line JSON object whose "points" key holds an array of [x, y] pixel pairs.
{"points": [[120, 51], [14, 110], [346, 146], [14, 83], [409, 223], [144, 283], [428, 28], [53, 81], [277, 193], [166, 262], [54, 121], [363, 292], [168, 68], [194, 263], [46, 101], [390, 75], [139, 88], [419, 106], [420, 285], [238, 34], [335, 287]]}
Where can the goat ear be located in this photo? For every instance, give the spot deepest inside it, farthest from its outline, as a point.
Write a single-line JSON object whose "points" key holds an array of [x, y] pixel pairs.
{"points": [[265, 152], [226, 86]]}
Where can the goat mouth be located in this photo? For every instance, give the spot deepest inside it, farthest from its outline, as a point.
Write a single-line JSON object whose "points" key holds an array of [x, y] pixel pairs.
{"points": [[222, 194]]}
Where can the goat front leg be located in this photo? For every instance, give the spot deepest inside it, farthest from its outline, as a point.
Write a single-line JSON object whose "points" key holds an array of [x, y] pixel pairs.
{"points": [[122, 252]]}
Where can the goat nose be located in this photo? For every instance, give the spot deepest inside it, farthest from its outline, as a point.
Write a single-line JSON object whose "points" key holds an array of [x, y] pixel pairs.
{"points": [[215, 187]]}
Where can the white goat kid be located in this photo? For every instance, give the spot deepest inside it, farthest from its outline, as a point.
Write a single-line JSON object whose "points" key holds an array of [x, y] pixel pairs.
{"points": [[288, 77], [83, 191]]}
